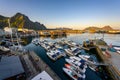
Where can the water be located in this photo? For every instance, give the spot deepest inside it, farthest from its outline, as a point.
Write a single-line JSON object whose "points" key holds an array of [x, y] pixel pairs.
{"points": [[78, 38]]}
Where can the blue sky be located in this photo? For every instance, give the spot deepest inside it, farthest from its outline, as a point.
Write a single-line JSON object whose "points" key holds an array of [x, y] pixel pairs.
{"points": [[76, 14]]}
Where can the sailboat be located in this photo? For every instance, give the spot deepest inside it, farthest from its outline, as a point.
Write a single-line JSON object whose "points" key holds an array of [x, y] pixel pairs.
{"points": [[15, 45]]}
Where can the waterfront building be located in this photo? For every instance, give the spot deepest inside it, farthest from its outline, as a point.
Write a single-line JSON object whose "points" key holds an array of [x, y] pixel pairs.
{"points": [[11, 68], [10, 30]]}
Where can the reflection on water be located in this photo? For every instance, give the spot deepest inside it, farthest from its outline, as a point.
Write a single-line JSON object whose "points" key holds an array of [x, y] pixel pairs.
{"points": [[79, 38]]}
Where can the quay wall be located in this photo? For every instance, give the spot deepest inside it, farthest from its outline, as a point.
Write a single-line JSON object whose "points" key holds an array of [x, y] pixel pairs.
{"points": [[114, 74]]}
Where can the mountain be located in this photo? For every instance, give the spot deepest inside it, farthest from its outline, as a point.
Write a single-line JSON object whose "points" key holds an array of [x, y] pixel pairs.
{"points": [[105, 28], [91, 28], [20, 21]]}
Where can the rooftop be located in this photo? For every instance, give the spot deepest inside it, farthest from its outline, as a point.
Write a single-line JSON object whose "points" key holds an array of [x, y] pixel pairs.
{"points": [[10, 66], [42, 76]]}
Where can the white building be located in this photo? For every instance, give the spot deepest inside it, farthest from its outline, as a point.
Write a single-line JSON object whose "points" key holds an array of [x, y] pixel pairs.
{"points": [[43, 76], [10, 30]]}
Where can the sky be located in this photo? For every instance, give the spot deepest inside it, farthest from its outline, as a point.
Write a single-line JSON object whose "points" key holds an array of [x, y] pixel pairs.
{"points": [[75, 14]]}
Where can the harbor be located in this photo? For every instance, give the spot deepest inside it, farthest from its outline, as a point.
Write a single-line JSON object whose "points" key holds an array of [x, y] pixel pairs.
{"points": [[58, 62], [68, 51], [60, 40]]}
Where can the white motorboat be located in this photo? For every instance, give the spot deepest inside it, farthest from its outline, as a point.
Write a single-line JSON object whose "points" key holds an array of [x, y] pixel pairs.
{"points": [[71, 74], [52, 55], [55, 54], [117, 48], [118, 51], [73, 51], [90, 62], [77, 65], [79, 60], [87, 59], [75, 70], [4, 49]]}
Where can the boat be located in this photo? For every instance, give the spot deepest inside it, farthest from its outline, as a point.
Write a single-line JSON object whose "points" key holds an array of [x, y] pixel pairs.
{"points": [[75, 70], [71, 74], [52, 55], [77, 65], [107, 54], [55, 54], [118, 51], [88, 59], [90, 62], [73, 51], [117, 48], [4, 49], [78, 61], [58, 46]]}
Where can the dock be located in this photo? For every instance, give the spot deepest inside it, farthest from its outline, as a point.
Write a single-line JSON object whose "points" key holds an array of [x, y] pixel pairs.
{"points": [[112, 61], [34, 65]]}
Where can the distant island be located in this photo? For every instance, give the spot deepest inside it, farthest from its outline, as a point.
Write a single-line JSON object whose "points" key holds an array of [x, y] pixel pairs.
{"points": [[20, 21]]}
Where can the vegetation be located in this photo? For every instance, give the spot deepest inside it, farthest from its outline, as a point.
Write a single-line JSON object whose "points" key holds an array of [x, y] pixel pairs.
{"points": [[20, 21]]}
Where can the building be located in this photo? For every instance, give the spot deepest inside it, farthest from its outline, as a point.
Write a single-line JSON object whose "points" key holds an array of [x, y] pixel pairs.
{"points": [[10, 30], [42, 76], [11, 68]]}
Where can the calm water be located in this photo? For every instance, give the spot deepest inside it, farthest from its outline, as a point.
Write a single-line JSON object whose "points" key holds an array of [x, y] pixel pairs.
{"points": [[78, 38]]}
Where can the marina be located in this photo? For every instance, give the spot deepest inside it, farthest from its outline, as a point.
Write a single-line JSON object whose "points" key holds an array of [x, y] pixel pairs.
{"points": [[60, 61], [60, 40]]}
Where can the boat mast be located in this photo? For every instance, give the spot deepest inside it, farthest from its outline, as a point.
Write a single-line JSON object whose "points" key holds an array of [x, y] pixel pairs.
{"points": [[11, 29], [103, 35]]}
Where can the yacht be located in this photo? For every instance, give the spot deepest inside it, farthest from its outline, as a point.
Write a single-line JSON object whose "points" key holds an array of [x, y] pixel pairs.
{"points": [[52, 55], [90, 62], [75, 70], [81, 67], [71, 74], [4, 49], [88, 59], [73, 51]]}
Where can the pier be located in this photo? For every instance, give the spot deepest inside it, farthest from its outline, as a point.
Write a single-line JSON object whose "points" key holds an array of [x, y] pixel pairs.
{"points": [[112, 60], [33, 65]]}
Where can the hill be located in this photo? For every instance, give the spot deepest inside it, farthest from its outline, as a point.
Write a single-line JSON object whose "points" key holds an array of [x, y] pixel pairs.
{"points": [[20, 21], [105, 28]]}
